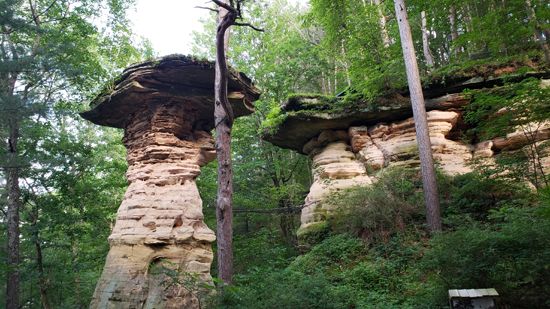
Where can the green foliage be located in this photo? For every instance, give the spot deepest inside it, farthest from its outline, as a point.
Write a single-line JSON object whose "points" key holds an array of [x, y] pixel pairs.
{"points": [[471, 198], [313, 233], [381, 210], [512, 257], [71, 174], [273, 120], [497, 111], [498, 238]]}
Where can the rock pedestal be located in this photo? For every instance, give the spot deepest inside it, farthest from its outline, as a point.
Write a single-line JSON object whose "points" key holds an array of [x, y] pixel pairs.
{"points": [[159, 239], [161, 253]]}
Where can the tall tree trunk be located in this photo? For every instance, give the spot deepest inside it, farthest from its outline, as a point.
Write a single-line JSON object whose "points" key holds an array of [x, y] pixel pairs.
{"points": [[345, 64], [426, 41], [454, 31], [42, 281], [383, 22], [14, 204], [223, 118], [452, 21], [420, 119], [539, 32]]}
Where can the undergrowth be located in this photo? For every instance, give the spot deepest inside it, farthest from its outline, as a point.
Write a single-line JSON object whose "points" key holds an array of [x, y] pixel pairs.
{"points": [[378, 253]]}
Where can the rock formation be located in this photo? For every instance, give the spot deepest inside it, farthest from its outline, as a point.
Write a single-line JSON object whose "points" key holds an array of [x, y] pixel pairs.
{"points": [[160, 246], [385, 144], [350, 143], [335, 167]]}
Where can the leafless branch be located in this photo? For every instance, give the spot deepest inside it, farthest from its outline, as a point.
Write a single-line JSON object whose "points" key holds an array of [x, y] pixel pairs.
{"points": [[207, 8], [225, 6], [249, 25], [48, 8]]}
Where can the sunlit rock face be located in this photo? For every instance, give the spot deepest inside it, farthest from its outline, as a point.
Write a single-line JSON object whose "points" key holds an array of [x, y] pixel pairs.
{"points": [[364, 136], [160, 239]]}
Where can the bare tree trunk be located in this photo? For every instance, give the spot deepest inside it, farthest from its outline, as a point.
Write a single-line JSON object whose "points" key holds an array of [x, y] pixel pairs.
{"points": [[383, 22], [452, 21], [454, 31], [539, 34], [14, 204], [426, 41], [223, 117], [43, 285], [345, 63], [420, 119]]}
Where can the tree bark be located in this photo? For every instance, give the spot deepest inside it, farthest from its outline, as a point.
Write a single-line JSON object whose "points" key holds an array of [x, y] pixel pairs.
{"points": [[223, 117], [420, 119], [14, 204], [426, 41], [539, 32], [383, 22], [42, 281], [454, 31]]}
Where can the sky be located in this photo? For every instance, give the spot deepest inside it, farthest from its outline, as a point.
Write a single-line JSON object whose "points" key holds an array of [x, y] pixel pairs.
{"points": [[169, 24]]}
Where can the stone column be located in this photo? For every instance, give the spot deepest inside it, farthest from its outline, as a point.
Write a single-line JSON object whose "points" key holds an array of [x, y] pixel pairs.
{"points": [[160, 246]]}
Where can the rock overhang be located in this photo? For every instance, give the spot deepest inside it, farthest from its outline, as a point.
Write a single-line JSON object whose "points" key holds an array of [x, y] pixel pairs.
{"points": [[173, 79], [304, 117]]}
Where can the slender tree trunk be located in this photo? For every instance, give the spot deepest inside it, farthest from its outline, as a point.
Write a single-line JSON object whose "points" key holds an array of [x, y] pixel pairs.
{"points": [[43, 285], [383, 22], [426, 41], [539, 32], [14, 204], [452, 21], [345, 63], [223, 117], [454, 32], [420, 119]]}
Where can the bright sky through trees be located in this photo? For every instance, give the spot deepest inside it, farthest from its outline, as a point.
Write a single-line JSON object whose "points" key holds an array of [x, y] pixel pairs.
{"points": [[168, 24]]}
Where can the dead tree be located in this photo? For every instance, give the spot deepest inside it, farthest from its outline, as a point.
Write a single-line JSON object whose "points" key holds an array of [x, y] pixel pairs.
{"points": [[229, 14]]}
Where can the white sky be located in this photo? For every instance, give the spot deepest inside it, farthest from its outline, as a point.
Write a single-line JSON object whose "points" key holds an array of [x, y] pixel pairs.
{"points": [[168, 24]]}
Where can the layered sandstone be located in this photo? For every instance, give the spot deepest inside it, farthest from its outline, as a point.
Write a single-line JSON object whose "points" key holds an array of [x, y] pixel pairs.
{"points": [[161, 253], [351, 143], [335, 168], [383, 145], [160, 221]]}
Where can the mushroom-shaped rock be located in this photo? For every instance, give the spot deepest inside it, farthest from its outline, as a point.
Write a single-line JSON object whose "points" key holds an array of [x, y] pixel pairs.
{"points": [[166, 108], [350, 139]]}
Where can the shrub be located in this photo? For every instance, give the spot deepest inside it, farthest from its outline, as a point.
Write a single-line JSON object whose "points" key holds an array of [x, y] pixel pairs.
{"points": [[378, 211], [511, 257], [471, 197]]}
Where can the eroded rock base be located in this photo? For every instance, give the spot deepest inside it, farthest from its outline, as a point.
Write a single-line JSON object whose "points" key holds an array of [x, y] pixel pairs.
{"points": [[160, 254]]}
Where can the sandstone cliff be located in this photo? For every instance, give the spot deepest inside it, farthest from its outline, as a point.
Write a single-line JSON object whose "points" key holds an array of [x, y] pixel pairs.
{"points": [[351, 141]]}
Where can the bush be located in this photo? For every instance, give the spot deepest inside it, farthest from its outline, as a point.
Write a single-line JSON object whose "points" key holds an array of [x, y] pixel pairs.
{"points": [[471, 197], [511, 256], [379, 211], [313, 234]]}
